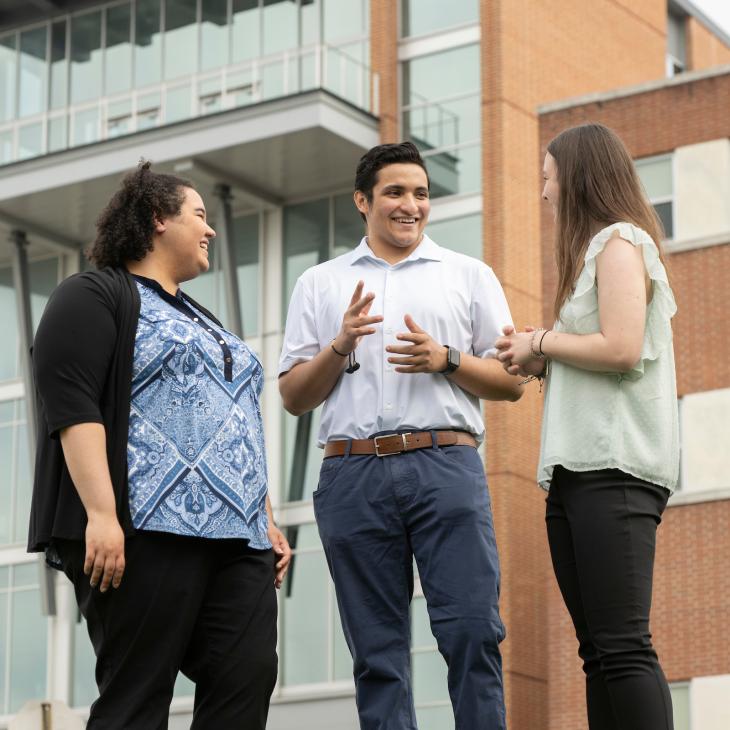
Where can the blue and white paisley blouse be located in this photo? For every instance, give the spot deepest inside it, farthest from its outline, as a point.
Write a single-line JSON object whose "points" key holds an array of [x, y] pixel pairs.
{"points": [[195, 453]]}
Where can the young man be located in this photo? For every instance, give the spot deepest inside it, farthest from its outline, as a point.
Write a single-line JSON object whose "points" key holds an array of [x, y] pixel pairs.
{"points": [[424, 337]]}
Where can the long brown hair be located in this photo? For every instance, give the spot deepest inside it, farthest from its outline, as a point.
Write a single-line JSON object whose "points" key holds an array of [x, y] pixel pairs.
{"points": [[598, 187]]}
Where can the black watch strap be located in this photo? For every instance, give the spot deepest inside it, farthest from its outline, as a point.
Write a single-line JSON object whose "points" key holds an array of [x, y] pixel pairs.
{"points": [[453, 360]]}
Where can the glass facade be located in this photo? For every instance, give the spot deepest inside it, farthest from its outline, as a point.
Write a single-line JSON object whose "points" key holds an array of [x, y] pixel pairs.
{"points": [[419, 18], [441, 105], [131, 65]]}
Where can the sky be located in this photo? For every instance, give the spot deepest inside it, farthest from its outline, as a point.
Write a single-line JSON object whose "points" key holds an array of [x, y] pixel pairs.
{"points": [[716, 10]]}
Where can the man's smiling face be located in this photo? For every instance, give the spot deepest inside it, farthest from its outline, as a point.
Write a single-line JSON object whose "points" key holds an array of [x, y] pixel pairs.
{"points": [[399, 210]]}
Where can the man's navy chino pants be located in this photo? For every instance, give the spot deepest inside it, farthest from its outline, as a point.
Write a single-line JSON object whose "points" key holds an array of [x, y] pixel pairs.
{"points": [[374, 514]]}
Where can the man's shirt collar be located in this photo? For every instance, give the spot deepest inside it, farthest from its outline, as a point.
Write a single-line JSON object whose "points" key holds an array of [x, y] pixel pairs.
{"points": [[427, 250]]}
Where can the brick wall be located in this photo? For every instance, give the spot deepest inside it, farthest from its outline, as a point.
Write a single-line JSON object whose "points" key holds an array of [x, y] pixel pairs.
{"points": [[384, 62], [692, 579], [530, 55], [703, 48]]}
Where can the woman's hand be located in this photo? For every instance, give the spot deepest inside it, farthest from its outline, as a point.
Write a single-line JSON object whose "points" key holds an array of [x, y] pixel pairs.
{"points": [[104, 559], [515, 352], [282, 551]]}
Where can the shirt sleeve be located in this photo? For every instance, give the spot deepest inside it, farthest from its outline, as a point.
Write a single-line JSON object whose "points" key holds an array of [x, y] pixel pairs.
{"points": [[301, 342], [489, 312], [72, 352]]}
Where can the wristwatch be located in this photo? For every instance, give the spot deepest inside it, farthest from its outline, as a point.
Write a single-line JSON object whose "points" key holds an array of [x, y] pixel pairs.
{"points": [[453, 360]]}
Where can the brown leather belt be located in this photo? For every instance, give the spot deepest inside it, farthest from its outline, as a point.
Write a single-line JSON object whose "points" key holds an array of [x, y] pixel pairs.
{"points": [[397, 443]]}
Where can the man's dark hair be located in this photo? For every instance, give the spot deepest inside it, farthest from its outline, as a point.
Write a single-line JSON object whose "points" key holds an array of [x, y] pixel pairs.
{"points": [[380, 156], [125, 227]]}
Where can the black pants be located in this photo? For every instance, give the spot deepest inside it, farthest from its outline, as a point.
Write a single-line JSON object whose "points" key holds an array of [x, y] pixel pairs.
{"points": [[204, 607], [601, 528]]}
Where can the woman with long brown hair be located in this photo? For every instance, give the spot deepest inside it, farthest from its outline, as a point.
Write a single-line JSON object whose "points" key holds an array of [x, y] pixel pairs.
{"points": [[609, 454]]}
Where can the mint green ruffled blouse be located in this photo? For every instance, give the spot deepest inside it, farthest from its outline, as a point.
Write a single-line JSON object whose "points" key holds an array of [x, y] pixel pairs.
{"points": [[626, 421]]}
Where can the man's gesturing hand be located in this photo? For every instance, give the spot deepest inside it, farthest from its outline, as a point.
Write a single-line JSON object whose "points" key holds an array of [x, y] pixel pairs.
{"points": [[423, 355], [355, 322]]}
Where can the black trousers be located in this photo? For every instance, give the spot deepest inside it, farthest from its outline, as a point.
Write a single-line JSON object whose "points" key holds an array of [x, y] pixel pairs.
{"points": [[204, 607], [601, 528]]}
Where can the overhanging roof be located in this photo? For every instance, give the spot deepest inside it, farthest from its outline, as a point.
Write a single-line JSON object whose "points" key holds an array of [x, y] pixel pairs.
{"points": [[286, 149]]}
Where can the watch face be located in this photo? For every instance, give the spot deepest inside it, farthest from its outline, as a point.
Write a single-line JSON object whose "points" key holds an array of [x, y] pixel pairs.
{"points": [[454, 359]]}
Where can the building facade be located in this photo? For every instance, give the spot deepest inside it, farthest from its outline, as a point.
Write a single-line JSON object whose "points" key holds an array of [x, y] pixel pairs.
{"points": [[267, 105]]}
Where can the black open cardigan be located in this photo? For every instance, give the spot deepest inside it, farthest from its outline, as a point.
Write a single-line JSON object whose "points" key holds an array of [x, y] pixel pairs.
{"points": [[82, 368]]}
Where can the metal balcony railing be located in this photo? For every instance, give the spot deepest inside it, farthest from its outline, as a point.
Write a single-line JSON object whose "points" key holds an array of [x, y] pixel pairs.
{"points": [[230, 87]]}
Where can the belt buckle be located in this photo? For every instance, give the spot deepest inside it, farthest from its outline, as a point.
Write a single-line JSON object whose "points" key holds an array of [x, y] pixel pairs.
{"points": [[390, 436]]}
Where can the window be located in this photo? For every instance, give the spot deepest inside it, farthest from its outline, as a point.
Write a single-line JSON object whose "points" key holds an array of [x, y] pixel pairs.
{"points": [[86, 57], [676, 44], [657, 178], [418, 18], [441, 115], [22, 637], [118, 52], [705, 440], [429, 671], [209, 288], [32, 92], [680, 705], [8, 66], [463, 234]]}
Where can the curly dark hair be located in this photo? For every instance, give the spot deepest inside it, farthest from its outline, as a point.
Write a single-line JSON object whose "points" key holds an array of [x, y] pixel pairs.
{"points": [[125, 227]]}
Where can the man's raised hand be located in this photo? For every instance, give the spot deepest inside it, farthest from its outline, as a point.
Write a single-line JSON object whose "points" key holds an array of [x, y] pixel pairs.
{"points": [[355, 323]]}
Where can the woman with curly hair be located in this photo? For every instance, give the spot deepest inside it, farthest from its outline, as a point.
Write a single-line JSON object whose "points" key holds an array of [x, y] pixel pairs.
{"points": [[610, 447], [150, 488]]}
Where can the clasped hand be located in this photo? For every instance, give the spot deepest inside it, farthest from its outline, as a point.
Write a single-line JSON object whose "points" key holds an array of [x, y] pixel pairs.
{"points": [[514, 351]]}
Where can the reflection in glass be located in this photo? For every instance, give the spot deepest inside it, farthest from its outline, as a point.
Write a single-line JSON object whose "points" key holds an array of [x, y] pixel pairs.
{"points": [[85, 127], [343, 19], [440, 717], [8, 326], [454, 171], [148, 43], [463, 235], [177, 103], [429, 677], [309, 18], [306, 237], [305, 625], [86, 57], [23, 481], [656, 176], [7, 456], [246, 241], [281, 26], [32, 96], [444, 123], [419, 17], [349, 226], [84, 690], [8, 61], [181, 38], [440, 75], [6, 146], [30, 141], [118, 61], [314, 457], [214, 34], [27, 648], [59, 66], [4, 601], [246, 31]]}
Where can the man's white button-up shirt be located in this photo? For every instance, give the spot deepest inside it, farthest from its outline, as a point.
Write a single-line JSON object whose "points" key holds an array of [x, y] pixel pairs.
{"points": [[454, 298]]}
